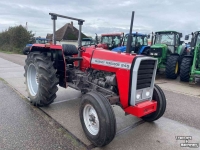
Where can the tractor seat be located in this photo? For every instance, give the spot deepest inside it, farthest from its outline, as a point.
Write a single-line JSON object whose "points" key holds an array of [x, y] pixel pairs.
{"points": [[69, 49]]}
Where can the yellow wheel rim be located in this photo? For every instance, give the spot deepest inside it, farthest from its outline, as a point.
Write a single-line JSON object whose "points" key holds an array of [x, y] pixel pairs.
{"points": [[176, 69]]}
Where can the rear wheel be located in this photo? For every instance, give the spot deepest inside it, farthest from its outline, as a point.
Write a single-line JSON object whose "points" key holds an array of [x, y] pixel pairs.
{"points": [[159, 96], [172, 67], [41, 80], [97, 119], [185, 69]]}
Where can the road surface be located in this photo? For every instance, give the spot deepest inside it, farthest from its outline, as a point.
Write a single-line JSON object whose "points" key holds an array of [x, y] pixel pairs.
{"points": [[22, 127], [181, 116]]}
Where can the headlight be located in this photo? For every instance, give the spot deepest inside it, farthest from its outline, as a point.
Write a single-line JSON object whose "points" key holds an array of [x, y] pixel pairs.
{"points": [[151, 54], [147, 93], [138, 95], [155, 54]]}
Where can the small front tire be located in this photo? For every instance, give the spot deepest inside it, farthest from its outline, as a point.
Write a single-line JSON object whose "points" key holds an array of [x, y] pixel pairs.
{"points": [[26, 50], [159, 96], [172, 67], [185, 69], [97, 119]]}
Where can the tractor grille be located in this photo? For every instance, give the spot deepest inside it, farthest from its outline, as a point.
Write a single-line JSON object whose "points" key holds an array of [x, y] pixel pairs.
{"points": [[145, 74], [156, 52]]}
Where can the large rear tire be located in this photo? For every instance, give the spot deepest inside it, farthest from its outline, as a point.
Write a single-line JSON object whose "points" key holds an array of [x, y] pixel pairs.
{"points": [[159, 96], [97, 119], [172, 67], [185, 69], [41, 80]]}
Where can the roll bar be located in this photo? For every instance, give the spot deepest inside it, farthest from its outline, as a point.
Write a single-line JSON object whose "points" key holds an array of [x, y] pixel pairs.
{"points": [[54, 18]]}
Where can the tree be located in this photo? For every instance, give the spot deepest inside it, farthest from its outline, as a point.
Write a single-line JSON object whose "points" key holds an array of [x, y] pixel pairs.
{"points": [[15, 38]]}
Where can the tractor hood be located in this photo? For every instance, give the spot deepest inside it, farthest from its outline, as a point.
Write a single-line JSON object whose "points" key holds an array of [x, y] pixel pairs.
{"points": [[158, 46], [119, 49]]}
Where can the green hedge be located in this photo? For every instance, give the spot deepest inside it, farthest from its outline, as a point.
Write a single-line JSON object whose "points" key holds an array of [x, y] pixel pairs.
{"points": [[15, 38]]}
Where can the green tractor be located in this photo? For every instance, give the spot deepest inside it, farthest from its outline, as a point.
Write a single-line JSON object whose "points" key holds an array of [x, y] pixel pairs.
{"points": [[190, 66], [168, 48]]}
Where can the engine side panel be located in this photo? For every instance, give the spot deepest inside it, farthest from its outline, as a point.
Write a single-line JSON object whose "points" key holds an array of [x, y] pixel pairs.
{"points": [[118, 63]]}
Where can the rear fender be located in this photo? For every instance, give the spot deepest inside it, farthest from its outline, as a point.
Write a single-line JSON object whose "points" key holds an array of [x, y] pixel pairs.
{"points": [[57, 56], [179, 49], [183, 49]]}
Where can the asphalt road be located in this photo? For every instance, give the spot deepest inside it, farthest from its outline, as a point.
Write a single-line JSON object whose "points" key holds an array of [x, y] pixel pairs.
{"points": [[16, 58], [23, 127], [180, 107]]}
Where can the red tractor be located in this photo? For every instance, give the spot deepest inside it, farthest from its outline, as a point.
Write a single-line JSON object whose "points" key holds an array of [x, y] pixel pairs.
{"points": [[111, 40], [105, 78]]}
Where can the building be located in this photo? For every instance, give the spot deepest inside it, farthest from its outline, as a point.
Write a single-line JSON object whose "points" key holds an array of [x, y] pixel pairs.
{"points": [[67, 34]]}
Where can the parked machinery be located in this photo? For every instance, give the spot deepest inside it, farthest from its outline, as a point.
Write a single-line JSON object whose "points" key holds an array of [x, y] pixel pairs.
{"points": [[110, 40], [139, 43], [169, 49], [104, 77], [37, 40], [190, 66]]}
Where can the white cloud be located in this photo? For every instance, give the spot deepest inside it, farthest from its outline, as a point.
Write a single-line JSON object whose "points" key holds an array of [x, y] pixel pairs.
{"points": [[103, 17]]}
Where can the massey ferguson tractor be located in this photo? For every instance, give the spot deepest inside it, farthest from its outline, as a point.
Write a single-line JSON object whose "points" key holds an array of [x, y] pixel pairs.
{"points": [[105, 78], [168, 49], [190, 66], [111, 40]]}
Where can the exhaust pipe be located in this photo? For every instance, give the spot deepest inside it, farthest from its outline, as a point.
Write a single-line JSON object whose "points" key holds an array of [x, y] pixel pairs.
{"points": [[128, 46]]}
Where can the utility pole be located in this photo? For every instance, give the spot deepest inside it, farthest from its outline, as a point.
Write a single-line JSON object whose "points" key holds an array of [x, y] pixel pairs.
{"points": [[26, 25]]}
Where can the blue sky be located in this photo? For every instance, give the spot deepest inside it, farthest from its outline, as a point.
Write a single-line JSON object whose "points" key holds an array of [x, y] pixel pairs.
{"points": [[103, 16]]}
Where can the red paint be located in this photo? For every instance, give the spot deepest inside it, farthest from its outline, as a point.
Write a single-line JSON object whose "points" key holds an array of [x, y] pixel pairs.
{"points": [[122, 75], [102, 45], [142, 109]]}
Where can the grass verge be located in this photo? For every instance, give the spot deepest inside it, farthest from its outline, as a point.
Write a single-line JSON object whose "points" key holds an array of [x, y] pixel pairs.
{"points": [[2, 80], [8, 52]]}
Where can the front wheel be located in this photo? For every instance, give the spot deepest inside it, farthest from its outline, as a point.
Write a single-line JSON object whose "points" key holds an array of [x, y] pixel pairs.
{"points": [[159, 97], [185, 69], [41, 80], [97, 119], [26, 50], [172, 67]]}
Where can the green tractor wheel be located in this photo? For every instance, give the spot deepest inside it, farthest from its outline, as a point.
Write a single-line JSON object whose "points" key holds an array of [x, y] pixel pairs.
{"points": [[185, 69], [172, 67]]}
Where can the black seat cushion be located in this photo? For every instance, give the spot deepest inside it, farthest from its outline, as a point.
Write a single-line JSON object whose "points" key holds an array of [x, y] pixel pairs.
{"points": [[69, 49]]}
